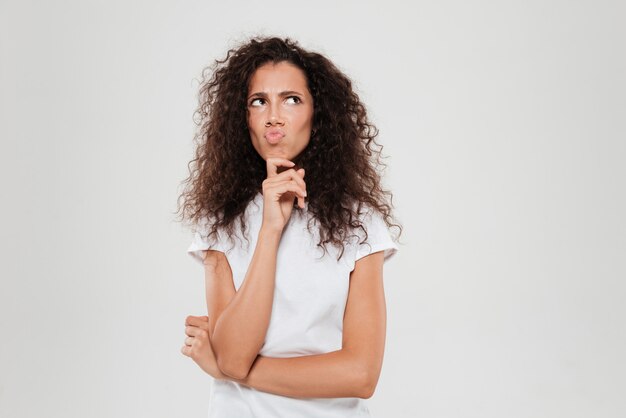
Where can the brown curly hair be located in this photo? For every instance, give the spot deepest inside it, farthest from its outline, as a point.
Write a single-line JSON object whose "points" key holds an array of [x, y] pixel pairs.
{"points": [[340, 160]]}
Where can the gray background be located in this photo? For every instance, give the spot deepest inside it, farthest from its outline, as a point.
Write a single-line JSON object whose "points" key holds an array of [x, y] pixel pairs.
{"points": [[504, 127]]}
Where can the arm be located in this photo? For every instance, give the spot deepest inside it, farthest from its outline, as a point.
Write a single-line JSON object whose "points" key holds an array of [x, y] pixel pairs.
{"points": [[242, 317], [352, 371], [239, 319]]}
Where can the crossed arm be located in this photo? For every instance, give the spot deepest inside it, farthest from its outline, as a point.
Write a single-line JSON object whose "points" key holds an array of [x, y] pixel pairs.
{"points": [[352, 371]]}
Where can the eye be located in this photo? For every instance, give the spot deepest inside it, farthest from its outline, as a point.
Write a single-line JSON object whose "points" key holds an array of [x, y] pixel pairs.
{"points": [[253, 101], [295, 99]]}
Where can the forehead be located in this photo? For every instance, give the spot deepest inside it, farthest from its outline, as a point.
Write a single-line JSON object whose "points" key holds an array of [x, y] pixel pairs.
{"points": [[278, 76]]}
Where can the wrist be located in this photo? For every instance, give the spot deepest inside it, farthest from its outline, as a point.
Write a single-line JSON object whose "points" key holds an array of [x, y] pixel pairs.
{"points": [[269, 233]]}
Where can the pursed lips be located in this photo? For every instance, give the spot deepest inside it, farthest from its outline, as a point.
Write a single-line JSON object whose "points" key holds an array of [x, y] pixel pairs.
{"points": [[273, 136]]}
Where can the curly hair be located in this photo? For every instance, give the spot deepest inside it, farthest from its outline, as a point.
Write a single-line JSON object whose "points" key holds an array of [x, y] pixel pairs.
{"points": [[342, 159]]}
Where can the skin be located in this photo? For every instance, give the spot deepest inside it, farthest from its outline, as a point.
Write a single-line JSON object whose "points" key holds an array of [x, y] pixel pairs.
{"points": [[278, 96], [225, 344], [352, 371]]}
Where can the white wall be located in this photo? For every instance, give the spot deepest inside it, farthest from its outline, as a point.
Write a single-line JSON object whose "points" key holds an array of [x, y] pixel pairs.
{"points": [[504, 127]]}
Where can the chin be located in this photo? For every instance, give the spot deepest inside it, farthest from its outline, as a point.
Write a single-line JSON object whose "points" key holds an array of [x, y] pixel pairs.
{"points": [[277, 154]]}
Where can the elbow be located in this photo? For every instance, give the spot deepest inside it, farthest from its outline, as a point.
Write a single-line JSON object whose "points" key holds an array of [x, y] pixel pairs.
{"points": [[367, 384], [231, 362], [365, 375], [367, 390], [233, 368]]}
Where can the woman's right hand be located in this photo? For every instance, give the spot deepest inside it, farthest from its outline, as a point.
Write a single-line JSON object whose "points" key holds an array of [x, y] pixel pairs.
{"points": [[279, 191]]}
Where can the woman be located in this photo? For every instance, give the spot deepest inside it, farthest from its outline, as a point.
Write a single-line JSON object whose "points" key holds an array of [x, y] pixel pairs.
{"points": [[296, 313]]}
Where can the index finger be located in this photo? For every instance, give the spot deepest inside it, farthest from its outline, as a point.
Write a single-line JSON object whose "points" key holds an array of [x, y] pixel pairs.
{"points": [[193, 320], [272, 164]]}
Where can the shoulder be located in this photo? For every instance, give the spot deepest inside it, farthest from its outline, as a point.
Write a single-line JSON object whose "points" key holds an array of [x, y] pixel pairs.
{"points": [[374, 236]]}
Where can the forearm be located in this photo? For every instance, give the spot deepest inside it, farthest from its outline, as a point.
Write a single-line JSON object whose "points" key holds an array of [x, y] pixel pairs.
{"points": [[241, 328], [337, 374]]}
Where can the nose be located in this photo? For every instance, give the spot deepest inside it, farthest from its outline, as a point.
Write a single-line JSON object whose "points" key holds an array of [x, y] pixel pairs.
{"points": [[274, 117]]}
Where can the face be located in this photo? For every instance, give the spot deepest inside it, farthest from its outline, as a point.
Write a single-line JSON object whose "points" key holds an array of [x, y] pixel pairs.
{"points": [[280, 110]]}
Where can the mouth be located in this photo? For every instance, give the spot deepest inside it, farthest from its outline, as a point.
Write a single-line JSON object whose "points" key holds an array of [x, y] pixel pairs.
{"points": [[273, 136]]}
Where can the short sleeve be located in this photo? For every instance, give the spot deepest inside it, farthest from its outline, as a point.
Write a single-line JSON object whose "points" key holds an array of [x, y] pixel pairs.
{"points": [[201, 243], [378, 238]]}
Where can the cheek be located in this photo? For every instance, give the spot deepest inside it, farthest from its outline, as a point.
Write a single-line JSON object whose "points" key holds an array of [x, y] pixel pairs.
{"points": [[309, 116], [304, 120]]}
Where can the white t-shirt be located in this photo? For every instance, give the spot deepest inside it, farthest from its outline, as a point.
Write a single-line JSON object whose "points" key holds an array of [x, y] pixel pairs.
{"points": [[307, 313]]}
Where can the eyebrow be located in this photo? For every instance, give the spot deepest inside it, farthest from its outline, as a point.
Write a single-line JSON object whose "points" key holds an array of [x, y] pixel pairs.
{"points": [[281, 94]]}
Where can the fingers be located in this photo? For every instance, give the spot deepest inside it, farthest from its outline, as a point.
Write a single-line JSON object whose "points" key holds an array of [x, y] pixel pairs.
{"points": [[195, 326], [290, 175], [195, 320], [188, 347], [194, 331], [272, 164], [301, 199], [297, 176], [291, 186], [279, 189]]}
